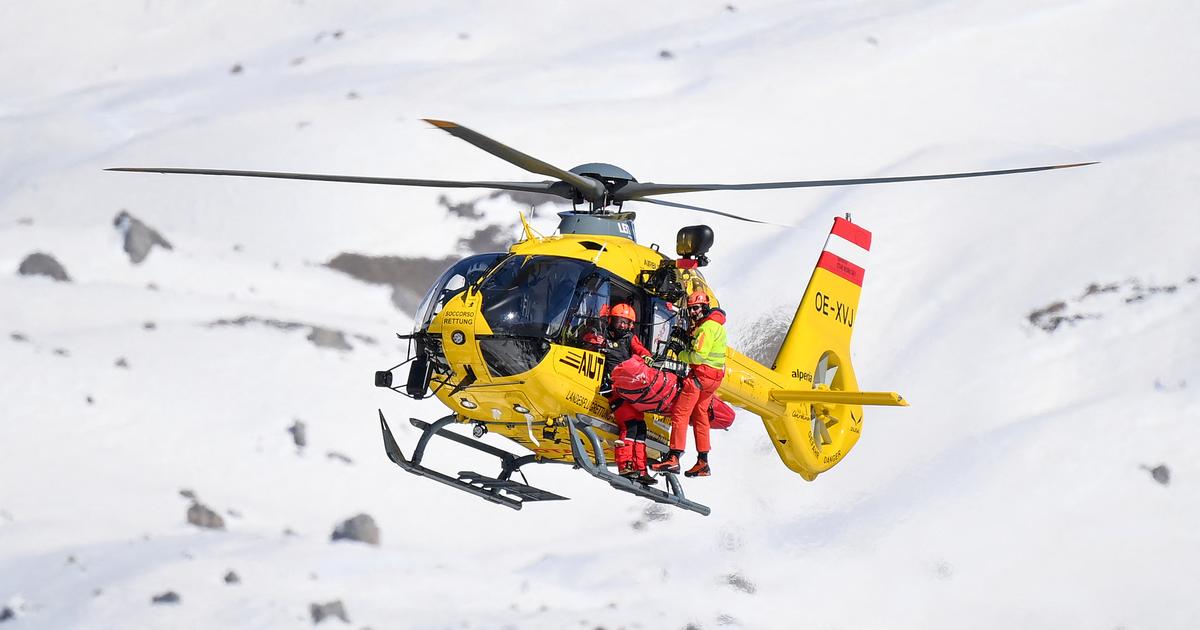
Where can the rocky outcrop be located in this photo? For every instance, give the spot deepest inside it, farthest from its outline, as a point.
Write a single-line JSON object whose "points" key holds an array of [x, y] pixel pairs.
{"points": [[299, 433], [39, 264], [409, 278], [329, 338], [201, 515], [1160, 473], [139, 237], [169, 597], [321, 612], [319, 335], [361, 528], [1099, 299]]}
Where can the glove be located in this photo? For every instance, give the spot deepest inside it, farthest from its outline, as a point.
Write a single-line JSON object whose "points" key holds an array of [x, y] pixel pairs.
{"points": [[676, 344]]}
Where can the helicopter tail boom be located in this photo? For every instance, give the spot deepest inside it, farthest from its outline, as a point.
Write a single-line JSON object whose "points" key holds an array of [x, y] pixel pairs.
{"points": [[809, 399]]}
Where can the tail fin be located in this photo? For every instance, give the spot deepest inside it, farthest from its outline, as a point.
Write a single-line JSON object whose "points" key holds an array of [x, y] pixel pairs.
{"points": [[826, 314], [823, 405]]}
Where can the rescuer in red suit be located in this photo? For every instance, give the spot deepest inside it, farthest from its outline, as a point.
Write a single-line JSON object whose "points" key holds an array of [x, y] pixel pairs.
{"points": [[618, 346]]}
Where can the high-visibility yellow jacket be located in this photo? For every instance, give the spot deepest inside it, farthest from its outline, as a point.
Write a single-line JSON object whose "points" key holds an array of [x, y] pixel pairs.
{"points": [[708, 342]]}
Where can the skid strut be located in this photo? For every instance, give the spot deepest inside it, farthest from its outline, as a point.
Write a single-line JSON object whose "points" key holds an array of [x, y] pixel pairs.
{"points": [[596, 466], [501, 489]]}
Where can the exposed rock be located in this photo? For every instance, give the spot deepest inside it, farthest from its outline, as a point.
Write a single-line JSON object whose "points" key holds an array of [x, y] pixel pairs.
{"points": [[201, 516], [318, 335], [1160, 473], [408, 277], [464, 210], [236, 69], [299, 433], [361, 528], [62, 352], [121, 363], [187, 494], [150, 326], [665, 54], [39, 264], [1097, 289], [329, 338], [741, 583], [139, 238], [232, 578], [339, 457], [169, 597], [491, 238], [320, 612], [16, 336], [7, 613]]}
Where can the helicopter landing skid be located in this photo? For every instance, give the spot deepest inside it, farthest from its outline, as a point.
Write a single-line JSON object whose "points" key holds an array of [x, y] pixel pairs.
{"points": [[500, 490], [596, 467]]}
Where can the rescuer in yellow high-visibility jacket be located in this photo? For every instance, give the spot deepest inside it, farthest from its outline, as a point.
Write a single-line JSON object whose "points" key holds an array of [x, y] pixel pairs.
{"points": [[706, 356]]}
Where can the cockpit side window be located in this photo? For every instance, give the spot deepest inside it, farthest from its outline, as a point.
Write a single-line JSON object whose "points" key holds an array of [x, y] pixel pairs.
{"points": [[599, 292], [663, 315]]}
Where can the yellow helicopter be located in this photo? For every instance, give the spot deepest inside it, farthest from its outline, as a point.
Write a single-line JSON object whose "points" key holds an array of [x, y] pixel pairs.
{"points": [[498, 337]]}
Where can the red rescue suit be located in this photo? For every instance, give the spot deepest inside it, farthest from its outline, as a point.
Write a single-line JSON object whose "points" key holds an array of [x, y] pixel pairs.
{"points": [[630, 449]]}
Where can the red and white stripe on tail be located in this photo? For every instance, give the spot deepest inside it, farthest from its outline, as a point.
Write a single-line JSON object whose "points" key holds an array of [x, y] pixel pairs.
{"points": [[846, 251]]}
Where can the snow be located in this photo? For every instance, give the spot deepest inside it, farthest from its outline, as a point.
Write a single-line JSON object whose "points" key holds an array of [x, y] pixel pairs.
{"points": [[1013, 493]]}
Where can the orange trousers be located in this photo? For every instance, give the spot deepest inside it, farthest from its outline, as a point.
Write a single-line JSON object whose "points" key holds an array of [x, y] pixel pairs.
{"points": [[692, 404]]}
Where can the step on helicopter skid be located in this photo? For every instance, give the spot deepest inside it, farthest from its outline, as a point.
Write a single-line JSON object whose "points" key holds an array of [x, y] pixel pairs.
{"points": [[499, 335]]}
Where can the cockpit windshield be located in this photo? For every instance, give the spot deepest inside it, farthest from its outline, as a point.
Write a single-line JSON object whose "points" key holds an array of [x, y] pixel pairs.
{"points": [[530, 296], [452, 282]]}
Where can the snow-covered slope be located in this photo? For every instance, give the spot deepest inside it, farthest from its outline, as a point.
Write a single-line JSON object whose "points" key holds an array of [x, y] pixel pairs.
{"points": [[1013, 493]]}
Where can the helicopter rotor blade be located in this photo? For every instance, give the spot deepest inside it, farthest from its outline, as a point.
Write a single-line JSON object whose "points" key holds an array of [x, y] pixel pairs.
{"points": [[639, 190], [591, 189], [548, 188], [660, 202]]}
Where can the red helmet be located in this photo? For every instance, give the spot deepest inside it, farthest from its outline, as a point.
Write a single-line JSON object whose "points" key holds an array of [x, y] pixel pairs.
{"points": [[623, 311], [699, 297]]}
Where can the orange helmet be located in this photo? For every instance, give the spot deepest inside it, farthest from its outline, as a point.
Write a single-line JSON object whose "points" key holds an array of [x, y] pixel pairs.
{"points": [[623, 311], [699, 297]]}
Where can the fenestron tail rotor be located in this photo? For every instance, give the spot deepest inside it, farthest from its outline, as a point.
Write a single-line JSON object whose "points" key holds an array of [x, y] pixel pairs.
{"points": [[822, 379], [601, 185]]}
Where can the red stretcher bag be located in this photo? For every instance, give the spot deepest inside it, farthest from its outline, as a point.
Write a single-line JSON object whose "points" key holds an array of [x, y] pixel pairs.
{"points": [[720, 414], [646, 389]]}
